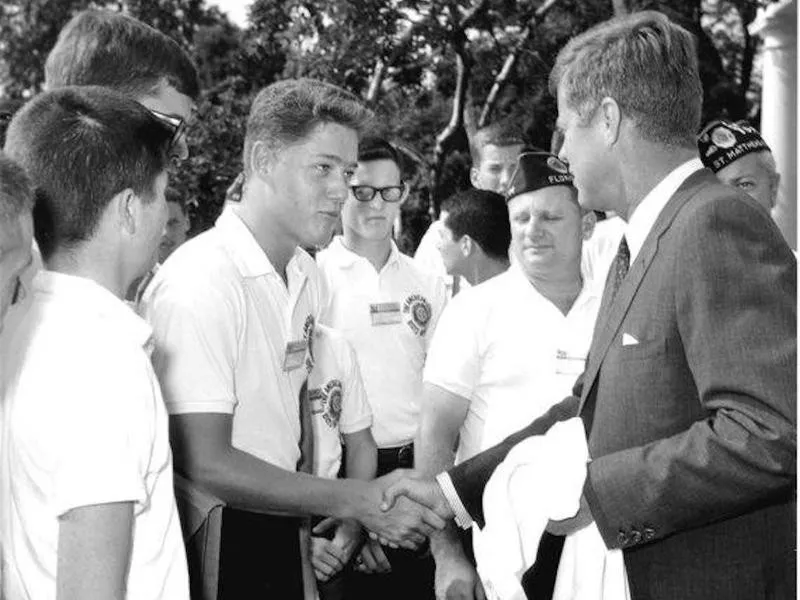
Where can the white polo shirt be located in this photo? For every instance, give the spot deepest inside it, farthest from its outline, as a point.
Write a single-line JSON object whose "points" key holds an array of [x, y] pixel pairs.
{"points": [[510, 352], [389, 318], [230, 336], [83, 423], [338, 400], [600, 249]]}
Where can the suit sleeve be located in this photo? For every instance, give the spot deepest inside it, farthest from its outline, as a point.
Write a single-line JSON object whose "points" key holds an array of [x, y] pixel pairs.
{"points": [[470, 477], [735, 300]]}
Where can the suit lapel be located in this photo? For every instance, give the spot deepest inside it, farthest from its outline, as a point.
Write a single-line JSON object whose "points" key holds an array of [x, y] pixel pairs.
{"points": [[612, 313]]}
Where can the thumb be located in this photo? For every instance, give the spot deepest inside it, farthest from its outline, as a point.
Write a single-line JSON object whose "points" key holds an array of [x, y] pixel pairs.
{"points": [[326, 524], [390, 494]]}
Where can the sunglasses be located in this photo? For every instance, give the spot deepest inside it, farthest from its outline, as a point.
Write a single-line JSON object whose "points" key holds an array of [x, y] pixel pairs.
{"points": [[391, 193], [175, 124]]}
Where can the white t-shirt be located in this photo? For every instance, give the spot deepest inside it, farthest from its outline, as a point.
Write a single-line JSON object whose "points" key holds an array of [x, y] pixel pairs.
{"points": [[389, 318], [230, 336], [83, 423], [338, 401], [510, 352], [429, 258]]}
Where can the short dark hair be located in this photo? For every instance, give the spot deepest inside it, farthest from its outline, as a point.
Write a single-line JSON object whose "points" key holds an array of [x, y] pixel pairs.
{"points": [[501, 133], [375, 148], [102, 47], [483, 216], [16, 195], [647, 64], [287, 111], [81, 146]]}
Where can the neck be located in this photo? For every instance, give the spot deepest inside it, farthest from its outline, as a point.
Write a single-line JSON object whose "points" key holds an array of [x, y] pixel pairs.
{"points": [[96, 264], [646, 168], [560, 290], [485, 268], [377, 252], [273, 239]]}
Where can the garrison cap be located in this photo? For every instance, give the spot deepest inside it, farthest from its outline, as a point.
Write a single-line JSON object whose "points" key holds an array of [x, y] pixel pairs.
{"points": [[536, 170], [722, 142]]}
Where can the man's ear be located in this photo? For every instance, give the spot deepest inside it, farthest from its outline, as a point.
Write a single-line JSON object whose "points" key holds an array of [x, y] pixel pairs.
{"points": [[588, 222], [611, 116], [261, 158], [128, 207], [467, 245], [473, 176]]}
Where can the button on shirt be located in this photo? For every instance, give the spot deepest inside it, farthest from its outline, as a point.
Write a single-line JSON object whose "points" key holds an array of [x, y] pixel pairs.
{"points": [[338, 400], [389, 318], [223, 319], [510, 352], [83, 423]]}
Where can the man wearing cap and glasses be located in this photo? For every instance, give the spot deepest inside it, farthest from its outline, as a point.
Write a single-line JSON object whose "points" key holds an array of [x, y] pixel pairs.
{"points": [[508, 349], [387, 308]]}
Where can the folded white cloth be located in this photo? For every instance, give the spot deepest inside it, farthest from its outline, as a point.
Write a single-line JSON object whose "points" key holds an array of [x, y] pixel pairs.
{"points": [[540, 480]]}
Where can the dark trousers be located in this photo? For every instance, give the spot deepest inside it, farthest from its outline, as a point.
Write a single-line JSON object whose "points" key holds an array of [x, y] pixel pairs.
{"points": [[259, 557], [412, 572]]}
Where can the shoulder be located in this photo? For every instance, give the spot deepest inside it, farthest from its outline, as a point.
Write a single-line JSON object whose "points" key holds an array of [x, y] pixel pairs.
{"points": [[427, 279]]}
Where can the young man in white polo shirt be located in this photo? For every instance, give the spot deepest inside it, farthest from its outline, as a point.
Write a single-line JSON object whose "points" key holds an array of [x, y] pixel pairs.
{"points": [[86, 493], [387, 308], [233, 310], [494, 150], [508, 349]]}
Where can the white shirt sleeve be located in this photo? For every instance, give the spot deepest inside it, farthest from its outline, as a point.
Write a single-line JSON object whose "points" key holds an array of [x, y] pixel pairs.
{"points": [[438, 304], [356, 411], [106, 433], [453, 361], [196, 327]]}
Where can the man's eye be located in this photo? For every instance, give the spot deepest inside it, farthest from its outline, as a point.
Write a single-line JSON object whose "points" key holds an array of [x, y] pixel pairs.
{"points": [[348, 174], [323, 168], [746, 185]]}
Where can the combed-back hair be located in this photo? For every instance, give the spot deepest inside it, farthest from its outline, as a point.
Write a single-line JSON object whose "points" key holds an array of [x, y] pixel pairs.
{"points": [[376, 148], [286, 112], [483, 216], [647, 64], [106, 48], [16, 195], [81, 146], [501, 133]]}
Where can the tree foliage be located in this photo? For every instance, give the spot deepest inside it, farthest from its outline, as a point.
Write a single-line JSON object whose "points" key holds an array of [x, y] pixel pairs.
{"points": [[406, 58]]}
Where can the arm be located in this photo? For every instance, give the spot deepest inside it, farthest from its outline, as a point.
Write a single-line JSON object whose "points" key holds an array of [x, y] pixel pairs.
{"points": [[736, 317], [94, 547], [204, 454]]}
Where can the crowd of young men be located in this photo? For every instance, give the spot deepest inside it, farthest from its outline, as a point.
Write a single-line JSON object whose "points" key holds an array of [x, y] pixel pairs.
{"points": [[291, 389]]}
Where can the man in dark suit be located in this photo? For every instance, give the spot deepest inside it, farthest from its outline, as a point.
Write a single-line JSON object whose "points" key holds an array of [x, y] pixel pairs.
{"points": [[689, 393]]}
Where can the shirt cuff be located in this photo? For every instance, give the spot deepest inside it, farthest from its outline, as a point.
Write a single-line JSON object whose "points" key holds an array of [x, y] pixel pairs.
{"points": [[462, 517]]}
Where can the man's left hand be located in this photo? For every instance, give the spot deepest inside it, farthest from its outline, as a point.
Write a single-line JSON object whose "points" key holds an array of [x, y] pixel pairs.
{"points": [[569, 526]]}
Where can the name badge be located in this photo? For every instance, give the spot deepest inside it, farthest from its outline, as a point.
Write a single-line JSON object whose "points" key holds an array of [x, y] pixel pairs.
{"points": [[569, 364], [294, 356], [385, 313]]}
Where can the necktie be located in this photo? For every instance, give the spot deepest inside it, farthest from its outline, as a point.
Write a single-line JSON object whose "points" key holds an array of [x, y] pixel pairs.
{"points": [[620, 266]]}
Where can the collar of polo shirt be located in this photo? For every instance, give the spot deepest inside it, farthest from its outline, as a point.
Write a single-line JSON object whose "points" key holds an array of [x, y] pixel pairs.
{"points": [[347, 258]]}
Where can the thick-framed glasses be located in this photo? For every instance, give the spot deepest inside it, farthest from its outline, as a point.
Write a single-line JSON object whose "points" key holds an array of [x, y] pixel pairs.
{"points": [[391, 193], [175, 124]]}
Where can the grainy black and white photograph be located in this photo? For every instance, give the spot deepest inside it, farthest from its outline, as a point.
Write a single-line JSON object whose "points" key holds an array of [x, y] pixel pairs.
{"points": [[398, 300]]}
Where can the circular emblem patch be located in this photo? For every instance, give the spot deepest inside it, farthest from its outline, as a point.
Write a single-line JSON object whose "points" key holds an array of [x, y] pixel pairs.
{"points": [[723, 137], [333, 396], [418, 310]]}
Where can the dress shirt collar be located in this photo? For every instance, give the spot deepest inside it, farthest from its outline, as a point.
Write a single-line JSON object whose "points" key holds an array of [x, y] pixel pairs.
{"points": [[644, 216]]}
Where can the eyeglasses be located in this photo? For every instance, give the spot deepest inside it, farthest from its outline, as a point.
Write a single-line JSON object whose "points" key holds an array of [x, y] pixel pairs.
{"points": [[391, 193], [175, 124]]}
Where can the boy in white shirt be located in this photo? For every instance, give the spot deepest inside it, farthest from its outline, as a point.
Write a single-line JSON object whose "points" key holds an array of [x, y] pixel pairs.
{"points": [[86, 494]]}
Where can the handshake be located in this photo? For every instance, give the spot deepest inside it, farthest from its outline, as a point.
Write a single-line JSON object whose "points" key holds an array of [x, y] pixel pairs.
{"points": [[402, 508]]}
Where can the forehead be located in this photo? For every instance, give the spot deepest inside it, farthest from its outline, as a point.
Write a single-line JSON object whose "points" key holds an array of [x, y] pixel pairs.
{"points": [[378, 172], [557, 198], [168, 100], [327, 140], [754, 164], [491, 154]]}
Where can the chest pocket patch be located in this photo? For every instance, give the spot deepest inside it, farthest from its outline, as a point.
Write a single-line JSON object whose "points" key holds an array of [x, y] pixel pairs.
{"points": [[417, 313], [327, 401]]}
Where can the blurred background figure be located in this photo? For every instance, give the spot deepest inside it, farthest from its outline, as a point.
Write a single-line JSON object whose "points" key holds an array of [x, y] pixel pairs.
{"points": [[178, 225]]}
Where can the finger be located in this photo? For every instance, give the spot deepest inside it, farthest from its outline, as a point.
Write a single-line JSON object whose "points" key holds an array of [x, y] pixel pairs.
{"points": [[432, 519], [390, 493], [326, 524], [381, 561], [320, 576], [368, 561]]}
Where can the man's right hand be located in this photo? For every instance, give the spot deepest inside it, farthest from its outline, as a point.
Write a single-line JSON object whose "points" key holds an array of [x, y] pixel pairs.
{"points": [[457, 579], [425, 491], [407, 522]]}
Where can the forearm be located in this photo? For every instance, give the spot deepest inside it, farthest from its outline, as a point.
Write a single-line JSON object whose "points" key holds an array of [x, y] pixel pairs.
{"points": [[362, 456], [248, 483]]}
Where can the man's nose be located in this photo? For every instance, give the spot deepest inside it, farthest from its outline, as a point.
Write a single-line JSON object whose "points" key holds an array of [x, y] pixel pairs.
{"points": [[180, 150]]}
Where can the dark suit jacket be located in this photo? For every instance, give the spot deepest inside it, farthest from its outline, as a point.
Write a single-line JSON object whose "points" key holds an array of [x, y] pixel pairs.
{"points": [[692, 432]]}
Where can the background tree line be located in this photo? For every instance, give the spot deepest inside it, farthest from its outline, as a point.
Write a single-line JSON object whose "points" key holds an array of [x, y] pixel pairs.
{"points": [[431, 69]]}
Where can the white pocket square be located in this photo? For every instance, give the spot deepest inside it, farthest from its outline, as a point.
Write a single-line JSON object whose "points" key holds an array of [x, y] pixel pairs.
{"points": [[629, 340]]}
